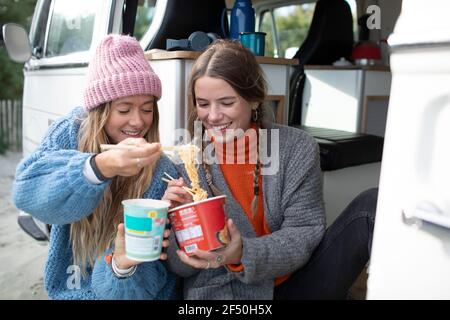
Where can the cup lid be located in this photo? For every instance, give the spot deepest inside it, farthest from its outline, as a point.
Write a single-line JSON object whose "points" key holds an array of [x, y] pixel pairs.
{"points": [[145, 203]]}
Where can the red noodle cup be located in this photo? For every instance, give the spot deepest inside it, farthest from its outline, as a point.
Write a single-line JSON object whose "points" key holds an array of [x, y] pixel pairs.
{"points": [[200, 225]]}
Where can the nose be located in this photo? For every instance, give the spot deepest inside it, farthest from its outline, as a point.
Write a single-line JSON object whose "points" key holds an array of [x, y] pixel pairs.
{"points": [[136, 119], [215, 114]]}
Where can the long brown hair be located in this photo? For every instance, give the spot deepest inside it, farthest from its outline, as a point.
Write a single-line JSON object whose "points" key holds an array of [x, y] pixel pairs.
{"points": [[91, 236], [233, 63]]}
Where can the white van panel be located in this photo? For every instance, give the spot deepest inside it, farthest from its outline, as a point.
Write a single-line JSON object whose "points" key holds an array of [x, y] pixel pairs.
{"points": [[377, 83], [411, 260], [433, 27], [170, 106], [276, 79], [35, 125], [341, 186], [330, 99], [48, 95], [411, 244], [337, 98], [54, 91]]}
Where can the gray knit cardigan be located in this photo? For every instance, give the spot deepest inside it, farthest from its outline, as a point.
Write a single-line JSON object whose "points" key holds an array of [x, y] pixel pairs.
{"points": [[294, 210]]}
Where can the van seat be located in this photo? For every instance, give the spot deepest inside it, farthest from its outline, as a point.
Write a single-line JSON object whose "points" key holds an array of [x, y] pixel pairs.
{"points": [[342, 149]]}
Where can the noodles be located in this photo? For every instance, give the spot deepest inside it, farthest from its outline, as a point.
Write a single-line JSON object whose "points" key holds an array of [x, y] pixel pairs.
{"points": [[188, 154]]}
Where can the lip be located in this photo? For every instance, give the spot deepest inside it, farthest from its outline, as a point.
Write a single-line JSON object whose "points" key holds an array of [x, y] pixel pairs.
{"points": [[128, 133], [221, 130]]}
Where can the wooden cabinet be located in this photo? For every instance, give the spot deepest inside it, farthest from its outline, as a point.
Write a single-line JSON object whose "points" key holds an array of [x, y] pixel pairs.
{"points": [[173, 67], [353, 98]]}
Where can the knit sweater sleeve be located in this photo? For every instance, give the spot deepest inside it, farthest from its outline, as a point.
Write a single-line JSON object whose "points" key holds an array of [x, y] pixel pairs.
{"points": [[50, 184], [146, 283], [289, 247]]}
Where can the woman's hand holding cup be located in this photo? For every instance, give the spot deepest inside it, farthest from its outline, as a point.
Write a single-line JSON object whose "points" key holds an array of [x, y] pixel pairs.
{"points": [[231, 254], [120, 258]]}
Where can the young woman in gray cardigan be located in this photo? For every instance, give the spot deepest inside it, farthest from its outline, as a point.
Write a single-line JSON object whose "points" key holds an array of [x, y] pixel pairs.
{"points": [[278, 247]]}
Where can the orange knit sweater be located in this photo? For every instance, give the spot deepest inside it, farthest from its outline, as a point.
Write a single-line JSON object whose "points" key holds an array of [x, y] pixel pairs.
{"points": [[239, 177]]}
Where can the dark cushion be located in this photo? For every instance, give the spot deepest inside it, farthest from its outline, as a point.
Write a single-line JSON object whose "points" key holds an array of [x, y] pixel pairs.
{"points": [[342, 149], [330, 35]]}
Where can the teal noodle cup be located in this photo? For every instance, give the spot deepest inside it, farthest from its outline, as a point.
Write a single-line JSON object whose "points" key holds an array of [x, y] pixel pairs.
{"points": [[144, 222], [254, 41]]}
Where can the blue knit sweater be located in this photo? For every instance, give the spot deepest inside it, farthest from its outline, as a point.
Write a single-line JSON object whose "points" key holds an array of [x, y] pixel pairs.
{"points": [[51, 186]]}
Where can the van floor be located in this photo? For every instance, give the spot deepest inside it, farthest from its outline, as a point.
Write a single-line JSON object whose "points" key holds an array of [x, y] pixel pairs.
{"points": [[358, 290]]}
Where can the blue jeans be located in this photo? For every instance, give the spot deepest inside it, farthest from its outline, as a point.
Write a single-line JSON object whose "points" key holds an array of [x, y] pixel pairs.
{"points": [[339, 258]]}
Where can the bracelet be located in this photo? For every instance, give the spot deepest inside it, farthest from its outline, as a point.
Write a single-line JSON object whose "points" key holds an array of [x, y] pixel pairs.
{"points": [[96, 170], [122, 273]]}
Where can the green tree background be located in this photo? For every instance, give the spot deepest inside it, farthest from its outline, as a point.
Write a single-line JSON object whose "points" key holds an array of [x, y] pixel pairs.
{"points": [[292, 27], [11, 76]]}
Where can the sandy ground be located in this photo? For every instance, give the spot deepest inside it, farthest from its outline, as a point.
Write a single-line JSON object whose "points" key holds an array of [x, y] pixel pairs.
{"points": [[22, 258]]}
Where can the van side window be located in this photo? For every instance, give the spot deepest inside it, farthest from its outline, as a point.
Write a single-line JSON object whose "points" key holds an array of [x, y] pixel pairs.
{"points": [[71, 26], [291, 27], [287, 27], [144, 17]]}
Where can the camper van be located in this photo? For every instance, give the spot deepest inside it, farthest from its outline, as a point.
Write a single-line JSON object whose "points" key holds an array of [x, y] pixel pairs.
{"points": [[366, 78]]}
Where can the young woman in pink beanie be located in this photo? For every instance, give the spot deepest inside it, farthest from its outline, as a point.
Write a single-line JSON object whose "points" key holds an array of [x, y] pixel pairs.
{"points": [[68, 183]]}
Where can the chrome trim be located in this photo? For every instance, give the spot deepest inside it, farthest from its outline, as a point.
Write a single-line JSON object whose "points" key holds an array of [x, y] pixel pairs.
{"points": [[423, 45], [68, 65], [47, 29], [111, 15]]}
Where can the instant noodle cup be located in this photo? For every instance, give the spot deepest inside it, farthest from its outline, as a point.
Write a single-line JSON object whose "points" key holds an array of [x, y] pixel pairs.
{"points": [[144, 222], [200, 225]]}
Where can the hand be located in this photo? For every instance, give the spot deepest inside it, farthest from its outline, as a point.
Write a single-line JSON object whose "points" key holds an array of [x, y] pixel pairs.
{"points": [[175, 194], [121, 260], [128, 162], [231, 254]]}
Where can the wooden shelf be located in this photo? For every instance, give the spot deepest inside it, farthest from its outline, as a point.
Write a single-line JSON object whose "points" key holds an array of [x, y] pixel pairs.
{"points": [[157, 54], [352, 67]]}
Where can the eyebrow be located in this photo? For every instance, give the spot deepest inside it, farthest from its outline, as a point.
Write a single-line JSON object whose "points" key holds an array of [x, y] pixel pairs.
{"points": [[223, 98], [131, 104]]}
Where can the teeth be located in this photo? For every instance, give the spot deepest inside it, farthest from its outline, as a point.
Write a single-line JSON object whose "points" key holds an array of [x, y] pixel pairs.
{"points": [[221, 127], [131, 133]]}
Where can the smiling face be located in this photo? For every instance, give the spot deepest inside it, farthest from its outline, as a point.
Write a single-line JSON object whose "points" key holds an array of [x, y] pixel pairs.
{"points": [[220, 108], [130, 117]]}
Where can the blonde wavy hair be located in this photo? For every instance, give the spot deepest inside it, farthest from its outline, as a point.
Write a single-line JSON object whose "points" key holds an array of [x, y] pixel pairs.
{"points": [[91, 236]]}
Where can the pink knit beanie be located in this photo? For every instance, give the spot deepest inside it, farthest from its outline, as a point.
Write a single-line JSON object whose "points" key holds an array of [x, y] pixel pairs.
{"points": [[119, 69]]}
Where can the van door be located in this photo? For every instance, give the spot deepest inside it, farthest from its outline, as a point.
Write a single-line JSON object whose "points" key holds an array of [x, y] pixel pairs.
{"points": [[62, 34], [411, 246]]}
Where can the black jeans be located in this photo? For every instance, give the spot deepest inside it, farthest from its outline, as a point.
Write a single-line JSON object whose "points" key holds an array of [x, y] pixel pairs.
{"points": [[339, 258]]}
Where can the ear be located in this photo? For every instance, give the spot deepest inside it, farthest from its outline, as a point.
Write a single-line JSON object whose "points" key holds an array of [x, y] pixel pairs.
{"points": [[254, 105]]}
